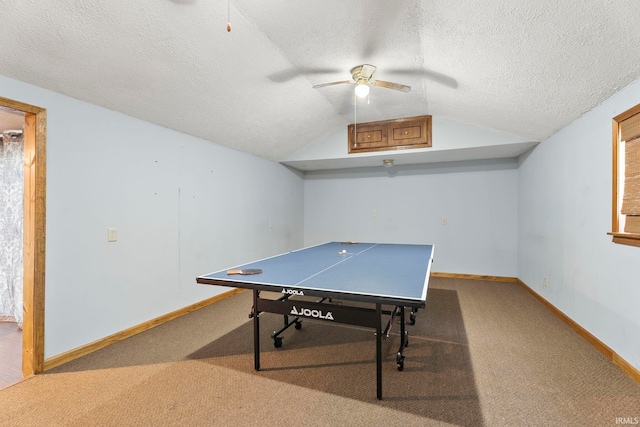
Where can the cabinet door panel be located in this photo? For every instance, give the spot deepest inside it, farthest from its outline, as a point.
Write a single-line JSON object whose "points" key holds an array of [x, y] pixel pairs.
{"points": [[410, 132], [367, 136]]}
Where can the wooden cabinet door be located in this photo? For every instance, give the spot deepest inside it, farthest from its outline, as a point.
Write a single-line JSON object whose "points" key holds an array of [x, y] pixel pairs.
{"points": [[398, 134], [410, 132], [367, 136]]}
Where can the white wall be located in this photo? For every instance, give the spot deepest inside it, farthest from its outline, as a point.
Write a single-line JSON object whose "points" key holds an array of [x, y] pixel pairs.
{"points": [[182, 206], [564, 215], [478, 199]]}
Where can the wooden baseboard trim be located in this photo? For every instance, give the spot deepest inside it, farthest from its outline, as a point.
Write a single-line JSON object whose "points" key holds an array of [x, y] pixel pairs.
{"points": [[625, 366], [475, 277], [119, 336]]}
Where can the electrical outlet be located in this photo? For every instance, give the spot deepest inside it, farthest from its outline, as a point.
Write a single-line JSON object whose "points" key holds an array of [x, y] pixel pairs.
{"points": [[444, 220], [546, 282], [374, 212]]}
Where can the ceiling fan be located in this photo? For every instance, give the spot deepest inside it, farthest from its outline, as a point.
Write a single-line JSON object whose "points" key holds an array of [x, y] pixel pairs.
{"points": [[361, 77]]}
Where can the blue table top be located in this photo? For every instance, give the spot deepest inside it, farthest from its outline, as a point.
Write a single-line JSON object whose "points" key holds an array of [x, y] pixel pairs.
{"points": [[377, 270]]}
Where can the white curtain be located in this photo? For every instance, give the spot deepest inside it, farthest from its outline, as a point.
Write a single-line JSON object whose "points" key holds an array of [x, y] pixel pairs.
{"points": [[11, 225]]}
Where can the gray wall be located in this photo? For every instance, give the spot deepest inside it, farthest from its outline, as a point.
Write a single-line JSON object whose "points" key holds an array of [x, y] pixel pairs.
{"points": [[182, 206], [564, 215], [477, 198]]}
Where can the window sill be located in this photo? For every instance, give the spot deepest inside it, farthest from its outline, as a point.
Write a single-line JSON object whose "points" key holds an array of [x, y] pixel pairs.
{"points": [[626, 238]]}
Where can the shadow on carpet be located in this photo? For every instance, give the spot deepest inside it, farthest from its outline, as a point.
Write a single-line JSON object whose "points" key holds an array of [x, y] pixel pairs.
{"points": [[437, 381]]}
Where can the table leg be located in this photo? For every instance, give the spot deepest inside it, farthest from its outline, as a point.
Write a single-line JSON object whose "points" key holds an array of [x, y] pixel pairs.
{"points": [[256, 331], [403, 329], [404, 341], [379, 351]]}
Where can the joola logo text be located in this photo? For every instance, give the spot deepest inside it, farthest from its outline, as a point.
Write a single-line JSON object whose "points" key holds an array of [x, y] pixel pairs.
{"points": [[319, 314], [292, 292]]}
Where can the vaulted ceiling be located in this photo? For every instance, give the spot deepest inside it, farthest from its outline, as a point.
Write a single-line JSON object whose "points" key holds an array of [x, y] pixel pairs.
{"points": [[522, 68]]}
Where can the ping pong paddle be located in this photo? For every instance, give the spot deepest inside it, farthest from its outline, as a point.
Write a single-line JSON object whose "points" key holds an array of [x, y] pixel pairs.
{"points": [[245, 271]]}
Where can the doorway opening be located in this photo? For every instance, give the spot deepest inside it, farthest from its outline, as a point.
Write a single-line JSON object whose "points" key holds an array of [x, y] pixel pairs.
{"points": [[34, 134]]}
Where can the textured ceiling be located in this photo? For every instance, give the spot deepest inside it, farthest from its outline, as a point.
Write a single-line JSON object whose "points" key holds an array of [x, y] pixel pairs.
{"points": [[522, 68]]}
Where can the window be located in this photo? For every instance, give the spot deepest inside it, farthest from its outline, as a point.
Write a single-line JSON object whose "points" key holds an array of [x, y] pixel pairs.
{"points": [[626, 178]]}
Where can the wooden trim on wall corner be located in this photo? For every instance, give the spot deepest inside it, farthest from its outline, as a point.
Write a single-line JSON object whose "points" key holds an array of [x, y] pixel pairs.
{"points": [[625, 366], [630, 239], [119, 336]]}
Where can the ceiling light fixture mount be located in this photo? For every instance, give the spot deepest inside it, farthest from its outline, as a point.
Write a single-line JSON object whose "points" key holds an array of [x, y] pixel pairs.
{"points": [[387, 163]]}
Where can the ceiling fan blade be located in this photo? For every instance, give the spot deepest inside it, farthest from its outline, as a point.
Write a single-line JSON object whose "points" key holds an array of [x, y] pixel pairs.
{"points": [[389, 85], [431, 75], [344, 82], [367, 71], [292, 72]]}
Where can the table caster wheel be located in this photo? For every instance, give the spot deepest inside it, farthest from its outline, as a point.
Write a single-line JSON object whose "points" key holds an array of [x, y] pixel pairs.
{"points": [[400, 361], [412, 319], [277, 342], [298, 325]]}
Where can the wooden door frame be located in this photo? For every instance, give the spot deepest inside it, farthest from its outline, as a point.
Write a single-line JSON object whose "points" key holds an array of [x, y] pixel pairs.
{"points": [[35, 191]]}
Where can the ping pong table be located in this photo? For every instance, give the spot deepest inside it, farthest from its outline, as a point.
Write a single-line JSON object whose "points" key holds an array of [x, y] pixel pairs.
{"points": [[366, 275]]}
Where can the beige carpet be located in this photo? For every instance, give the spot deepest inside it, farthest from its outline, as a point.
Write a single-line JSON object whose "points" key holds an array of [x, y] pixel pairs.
{"points": [[481, 353]]}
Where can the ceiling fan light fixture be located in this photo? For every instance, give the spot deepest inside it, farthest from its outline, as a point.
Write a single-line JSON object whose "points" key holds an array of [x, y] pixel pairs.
{"points": [[387, 163], [361, 90]]}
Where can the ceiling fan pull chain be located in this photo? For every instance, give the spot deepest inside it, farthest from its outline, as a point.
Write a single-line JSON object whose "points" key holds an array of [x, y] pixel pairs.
{"points": [[355, 119], [228, 16]]}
